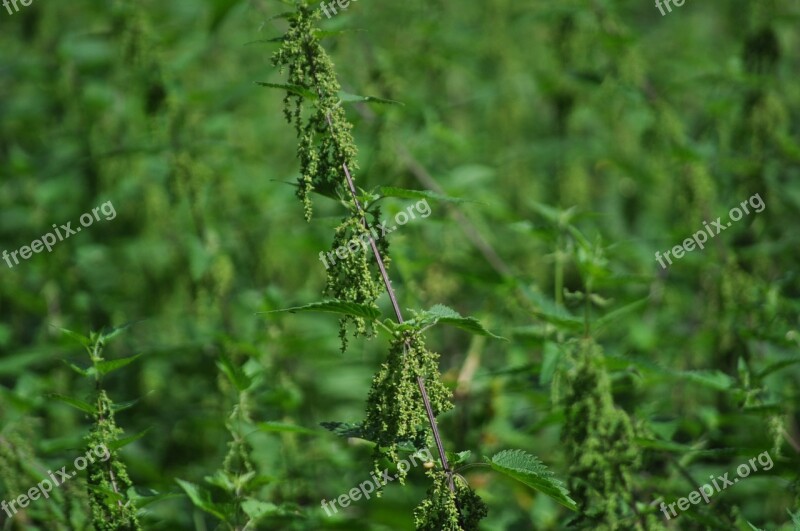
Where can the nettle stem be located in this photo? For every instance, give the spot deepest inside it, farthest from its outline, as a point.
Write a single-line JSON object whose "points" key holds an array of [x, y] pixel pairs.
{"points": [[399, 315], [388, 284]]}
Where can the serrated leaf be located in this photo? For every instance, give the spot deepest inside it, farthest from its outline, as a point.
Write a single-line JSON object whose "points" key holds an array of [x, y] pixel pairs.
{"points": [[125, 441], [458, 458], [257, 509], [108, 334], [777, 366], [140, 500], [346, 97], [346, 429], [294, 89], [259, 41], [404, 193], [285, 427], [612, 316], [549, 312], [83, 340], [74, 402], [121, 406], [443, 314], [201, 499], [82, 372], [109, 366], [235, 374], [528, 469], [332, 306]]}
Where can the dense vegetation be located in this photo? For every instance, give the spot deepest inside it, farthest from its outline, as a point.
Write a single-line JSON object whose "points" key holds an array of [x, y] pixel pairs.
{"points": [[571, 328]]}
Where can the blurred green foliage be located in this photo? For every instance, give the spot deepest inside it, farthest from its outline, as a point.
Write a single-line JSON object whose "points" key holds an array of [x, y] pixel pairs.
{"points": [[586, 135]]}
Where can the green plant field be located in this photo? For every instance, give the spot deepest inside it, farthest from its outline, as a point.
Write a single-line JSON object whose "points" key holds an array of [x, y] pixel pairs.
{"points": [[270, 265]]}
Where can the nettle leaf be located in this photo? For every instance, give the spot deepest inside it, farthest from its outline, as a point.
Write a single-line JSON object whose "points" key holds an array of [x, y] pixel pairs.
{"points": [[201, 499], [107, 335], [346, 97], [777, 366], [74, 402], [125, 441], [348, 429], [528, 469], [122, 406], [288, 87], [341, 307], [257, 509], [285, 427], [105, 367], [458, 458], [404, 193], [356, 430], [142, 496], [259, 41], [82, 372], [235, 374], [83, 340], [445, 315], [614, 315], [549, 312]]}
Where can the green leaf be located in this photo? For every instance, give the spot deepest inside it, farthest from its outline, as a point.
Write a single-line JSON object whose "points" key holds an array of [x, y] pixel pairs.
{"points": [[105, 367], [457, 459], [121, 406], [235, 374], [549, 312], [353, 98], [347, 429], [201, 499], [777, 366], [83, 340], [82, 372], [404, 193], [332, 306], [142, 497], [258, 41], [107, 335], [529, 470], [294, 89], [442, 314], [74, 402], [619, 312], [125, 441], [257, 509], [285, 427]]}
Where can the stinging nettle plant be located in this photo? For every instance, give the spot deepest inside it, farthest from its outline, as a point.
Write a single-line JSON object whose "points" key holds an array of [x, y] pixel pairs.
{"points": [[407, 393], [110, 490]]}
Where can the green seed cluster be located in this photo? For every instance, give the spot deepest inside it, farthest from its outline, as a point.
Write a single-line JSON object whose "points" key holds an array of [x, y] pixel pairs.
{"points": [[324, 148], [108, 481], [443, 510], [395, 408], [598, 439], [355, 278]]}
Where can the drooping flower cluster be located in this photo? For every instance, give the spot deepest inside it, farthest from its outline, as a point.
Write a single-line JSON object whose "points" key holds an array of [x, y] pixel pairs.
{"points": [[599, 441], [325, 147], [444, 510], [395, 408], [108, 480]]}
